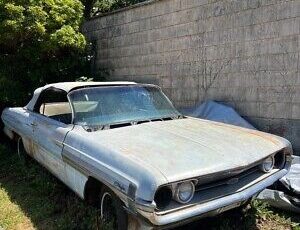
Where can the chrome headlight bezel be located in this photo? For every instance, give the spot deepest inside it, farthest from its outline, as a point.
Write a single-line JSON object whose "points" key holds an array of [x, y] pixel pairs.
{"points": [[179, 189], [268, 164]]}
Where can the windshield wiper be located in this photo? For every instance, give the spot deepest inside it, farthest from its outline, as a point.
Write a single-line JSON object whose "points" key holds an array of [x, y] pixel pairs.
{"points": [[161, 119], [120, 125], [95, 128]]}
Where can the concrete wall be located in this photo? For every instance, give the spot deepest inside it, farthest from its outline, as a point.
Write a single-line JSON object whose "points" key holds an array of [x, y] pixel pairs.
{"points": [[242, 52]]}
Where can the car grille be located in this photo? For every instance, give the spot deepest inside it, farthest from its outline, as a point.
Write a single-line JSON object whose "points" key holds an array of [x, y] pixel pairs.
{"points": [[234, 177]]}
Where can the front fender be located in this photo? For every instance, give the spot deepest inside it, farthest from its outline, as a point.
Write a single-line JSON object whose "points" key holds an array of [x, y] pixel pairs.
{"points": [[122, 174]]}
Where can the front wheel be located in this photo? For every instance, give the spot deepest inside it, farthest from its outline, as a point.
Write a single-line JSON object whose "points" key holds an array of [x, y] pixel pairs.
{"points": [[111, 212]]}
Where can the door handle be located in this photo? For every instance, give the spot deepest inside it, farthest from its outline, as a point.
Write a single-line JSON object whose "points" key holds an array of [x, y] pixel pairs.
{"points": [[33, 124]]}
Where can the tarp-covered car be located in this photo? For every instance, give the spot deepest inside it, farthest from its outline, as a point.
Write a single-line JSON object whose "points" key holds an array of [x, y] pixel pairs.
{"points": [[126, 148]]}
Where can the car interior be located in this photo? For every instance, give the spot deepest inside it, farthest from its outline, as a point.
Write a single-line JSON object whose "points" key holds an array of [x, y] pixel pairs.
{"points": [[54, 104]]}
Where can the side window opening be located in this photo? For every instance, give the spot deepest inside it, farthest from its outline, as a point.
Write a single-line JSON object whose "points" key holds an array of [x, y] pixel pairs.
{"points": [[53, 103]]}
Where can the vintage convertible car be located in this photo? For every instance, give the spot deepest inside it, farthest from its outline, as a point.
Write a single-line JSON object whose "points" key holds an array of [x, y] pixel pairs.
{"points": [[124, 147]]}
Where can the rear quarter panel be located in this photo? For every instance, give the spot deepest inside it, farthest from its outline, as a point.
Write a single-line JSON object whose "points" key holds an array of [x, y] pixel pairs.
{"points": [[15, 121]]}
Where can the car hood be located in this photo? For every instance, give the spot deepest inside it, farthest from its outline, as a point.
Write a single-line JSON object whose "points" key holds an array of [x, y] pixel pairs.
{"points": [[187, 148]]}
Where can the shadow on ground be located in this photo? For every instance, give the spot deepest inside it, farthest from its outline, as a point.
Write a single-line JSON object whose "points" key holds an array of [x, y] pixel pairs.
{"points": [[234, 219]]}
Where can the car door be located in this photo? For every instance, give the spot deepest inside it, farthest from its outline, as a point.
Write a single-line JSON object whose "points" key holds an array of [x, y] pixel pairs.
{"points": [[49, 135], [51, 123]]}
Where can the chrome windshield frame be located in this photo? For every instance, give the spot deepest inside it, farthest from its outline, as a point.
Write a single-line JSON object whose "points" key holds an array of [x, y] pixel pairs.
{"points": [[119, 86]]}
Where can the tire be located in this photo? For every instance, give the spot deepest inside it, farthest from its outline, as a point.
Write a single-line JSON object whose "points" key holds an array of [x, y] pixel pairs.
{"points": [[110, 211]]}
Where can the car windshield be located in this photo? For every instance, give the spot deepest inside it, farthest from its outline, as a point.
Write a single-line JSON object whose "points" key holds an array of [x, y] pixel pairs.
{"points": [[98, 106]]}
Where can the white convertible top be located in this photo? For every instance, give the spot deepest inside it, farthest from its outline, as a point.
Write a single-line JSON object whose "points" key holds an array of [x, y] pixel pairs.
{"points": [[68, 86]]}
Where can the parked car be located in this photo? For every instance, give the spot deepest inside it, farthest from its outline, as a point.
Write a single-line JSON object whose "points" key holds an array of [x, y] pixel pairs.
{"points": [[124, 147]]}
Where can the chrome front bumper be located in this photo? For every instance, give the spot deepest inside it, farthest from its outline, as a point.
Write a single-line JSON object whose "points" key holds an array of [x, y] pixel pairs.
{"points": [[212, 207]]}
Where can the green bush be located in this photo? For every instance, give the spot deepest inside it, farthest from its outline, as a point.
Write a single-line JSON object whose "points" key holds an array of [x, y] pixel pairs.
{"points": [[95, 7], [40, 43]]}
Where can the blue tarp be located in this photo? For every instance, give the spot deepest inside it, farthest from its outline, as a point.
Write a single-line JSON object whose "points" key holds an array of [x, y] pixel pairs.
{"points": [[215, 111]]}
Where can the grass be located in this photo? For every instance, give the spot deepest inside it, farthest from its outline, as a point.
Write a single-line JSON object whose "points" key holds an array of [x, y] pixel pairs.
{"points": [[31, 198]]}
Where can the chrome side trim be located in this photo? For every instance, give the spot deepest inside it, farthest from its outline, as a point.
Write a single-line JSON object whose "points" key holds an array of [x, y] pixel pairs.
{"points": [[74, 162]]}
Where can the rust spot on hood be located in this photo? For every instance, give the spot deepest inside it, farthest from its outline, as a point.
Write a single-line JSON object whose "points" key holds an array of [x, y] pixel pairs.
{"points": [[246, 131]]}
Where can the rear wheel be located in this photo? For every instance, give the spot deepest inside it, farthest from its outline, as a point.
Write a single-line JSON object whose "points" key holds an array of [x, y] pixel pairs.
{"points": [[111, 212]]}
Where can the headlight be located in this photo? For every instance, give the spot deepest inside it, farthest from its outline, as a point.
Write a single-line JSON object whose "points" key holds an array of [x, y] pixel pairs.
{"points": [[184, 192], [268, 164]]}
